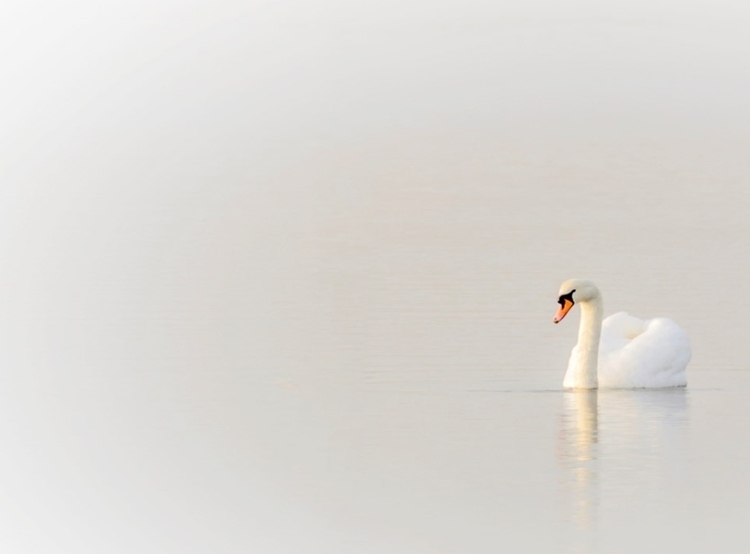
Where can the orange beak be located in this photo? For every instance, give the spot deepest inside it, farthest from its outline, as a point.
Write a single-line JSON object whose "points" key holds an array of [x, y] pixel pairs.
{"points": [[563, 311]]}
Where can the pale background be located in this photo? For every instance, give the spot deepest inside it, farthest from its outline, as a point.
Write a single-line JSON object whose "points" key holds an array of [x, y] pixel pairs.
{"points": [[279, 276]]}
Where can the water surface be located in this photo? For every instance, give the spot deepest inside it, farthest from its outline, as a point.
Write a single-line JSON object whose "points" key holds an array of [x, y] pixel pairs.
{"points": [[281, 277]]}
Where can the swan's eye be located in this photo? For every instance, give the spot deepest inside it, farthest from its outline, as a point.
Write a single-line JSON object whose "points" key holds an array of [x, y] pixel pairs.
{"points": [[566, 298]]}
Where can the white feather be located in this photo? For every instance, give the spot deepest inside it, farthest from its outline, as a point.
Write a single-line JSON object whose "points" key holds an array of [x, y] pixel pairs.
{"points": [[637, 353], [621, 351]]}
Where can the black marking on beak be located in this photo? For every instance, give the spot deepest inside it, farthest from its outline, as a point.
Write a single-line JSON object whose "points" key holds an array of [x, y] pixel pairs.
{"points": [[566, 298]]}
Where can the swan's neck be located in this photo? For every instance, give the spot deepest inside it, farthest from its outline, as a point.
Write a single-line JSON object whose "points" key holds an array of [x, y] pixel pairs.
{"points": [[583, 363]]}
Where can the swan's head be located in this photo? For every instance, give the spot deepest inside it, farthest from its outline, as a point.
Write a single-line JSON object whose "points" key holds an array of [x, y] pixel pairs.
{"points": [[572, 291]]}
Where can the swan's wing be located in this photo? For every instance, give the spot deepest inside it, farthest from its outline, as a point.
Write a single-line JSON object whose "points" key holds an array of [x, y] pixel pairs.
{"points": [[618, 330], [642, 353]]}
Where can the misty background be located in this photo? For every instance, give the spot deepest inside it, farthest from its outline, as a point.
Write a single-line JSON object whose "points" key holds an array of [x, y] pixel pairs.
{"points": [[249, 249]]}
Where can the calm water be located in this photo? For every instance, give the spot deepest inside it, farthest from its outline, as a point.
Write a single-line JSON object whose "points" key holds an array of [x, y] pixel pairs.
{"points": [[282, 279]]}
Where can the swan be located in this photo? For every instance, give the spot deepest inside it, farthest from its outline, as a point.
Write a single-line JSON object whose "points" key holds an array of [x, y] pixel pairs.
{"points": [[622, 351]]}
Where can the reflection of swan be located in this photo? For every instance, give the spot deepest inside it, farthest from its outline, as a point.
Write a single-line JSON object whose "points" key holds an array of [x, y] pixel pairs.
{"points": [[579, 438], [629, 352], [615, 445]]}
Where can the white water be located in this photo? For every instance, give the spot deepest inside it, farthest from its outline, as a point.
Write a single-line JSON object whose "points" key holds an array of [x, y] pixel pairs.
{"points": [[281, 278]]}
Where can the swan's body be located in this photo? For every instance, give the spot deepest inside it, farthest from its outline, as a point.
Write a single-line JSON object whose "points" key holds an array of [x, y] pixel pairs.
{"points": [[622, 351]]}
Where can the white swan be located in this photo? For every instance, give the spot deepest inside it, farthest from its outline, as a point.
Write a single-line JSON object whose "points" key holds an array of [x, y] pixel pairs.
{"points": [[623, 351]]}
